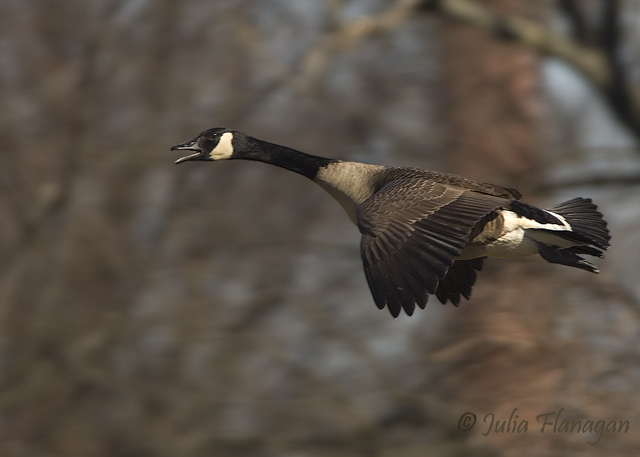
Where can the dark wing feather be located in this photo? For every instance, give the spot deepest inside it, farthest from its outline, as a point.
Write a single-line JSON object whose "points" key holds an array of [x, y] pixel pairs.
{"points": [[413, 230], [459, 280]]}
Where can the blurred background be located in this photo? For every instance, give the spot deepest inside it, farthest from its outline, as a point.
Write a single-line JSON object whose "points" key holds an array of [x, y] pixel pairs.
{"points": [[148, 309]]}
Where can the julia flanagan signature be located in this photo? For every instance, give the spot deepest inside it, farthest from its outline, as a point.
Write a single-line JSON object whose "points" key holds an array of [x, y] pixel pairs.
{"points": [[546, 423]]}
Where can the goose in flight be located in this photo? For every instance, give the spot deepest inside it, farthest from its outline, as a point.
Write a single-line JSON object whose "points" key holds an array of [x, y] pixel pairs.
{"points": [[425, 232]]}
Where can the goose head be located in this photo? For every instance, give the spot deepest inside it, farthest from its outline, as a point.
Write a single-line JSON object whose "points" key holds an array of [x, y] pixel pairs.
{"points": [[218, 143]]}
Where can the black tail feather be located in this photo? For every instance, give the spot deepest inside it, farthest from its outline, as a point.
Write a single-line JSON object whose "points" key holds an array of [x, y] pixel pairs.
{"points": [[565, 257], [589, 250], [587, 226], [585, 220]]}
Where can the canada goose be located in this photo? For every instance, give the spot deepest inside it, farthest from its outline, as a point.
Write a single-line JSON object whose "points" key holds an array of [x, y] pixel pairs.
{"points": [[425, 232]]}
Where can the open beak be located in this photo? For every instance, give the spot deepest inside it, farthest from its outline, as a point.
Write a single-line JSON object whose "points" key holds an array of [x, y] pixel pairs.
{"points": [[189, 146]]}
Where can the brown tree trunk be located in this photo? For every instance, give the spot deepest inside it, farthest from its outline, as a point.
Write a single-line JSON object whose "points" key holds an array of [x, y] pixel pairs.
{"points": [[490, 104], [496, 341]]}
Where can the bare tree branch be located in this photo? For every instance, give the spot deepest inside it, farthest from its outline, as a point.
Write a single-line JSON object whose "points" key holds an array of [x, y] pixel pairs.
{"points": [[306, 71], [618, 93], [600, 65], [576, 18], [590, 61]]}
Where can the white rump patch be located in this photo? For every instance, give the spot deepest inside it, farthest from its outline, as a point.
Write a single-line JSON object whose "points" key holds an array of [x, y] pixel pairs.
{"points": [[517, 241], [565, 224], [512, 222], [224, 148]]}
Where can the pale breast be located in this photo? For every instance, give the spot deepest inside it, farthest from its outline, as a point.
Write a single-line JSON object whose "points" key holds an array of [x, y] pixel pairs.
{"points": [[350, 183]]}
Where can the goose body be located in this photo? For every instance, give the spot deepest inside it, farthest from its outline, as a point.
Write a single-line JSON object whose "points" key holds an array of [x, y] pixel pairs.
{"points": [[425, 232]]}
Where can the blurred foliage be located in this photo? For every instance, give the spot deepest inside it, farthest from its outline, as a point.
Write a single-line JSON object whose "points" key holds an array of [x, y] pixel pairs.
{"points": [[221, 309]]}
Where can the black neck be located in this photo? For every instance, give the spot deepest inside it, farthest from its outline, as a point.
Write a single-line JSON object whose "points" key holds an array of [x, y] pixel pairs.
{"points": [[281, 156]]}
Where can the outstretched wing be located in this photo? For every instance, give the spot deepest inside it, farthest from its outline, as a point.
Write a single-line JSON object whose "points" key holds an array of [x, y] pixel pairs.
{"points": [[412, 232]]}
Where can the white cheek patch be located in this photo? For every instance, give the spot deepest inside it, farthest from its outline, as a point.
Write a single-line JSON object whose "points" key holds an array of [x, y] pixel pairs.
{"points": [[224, 148]]}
